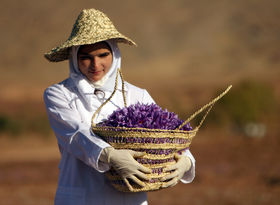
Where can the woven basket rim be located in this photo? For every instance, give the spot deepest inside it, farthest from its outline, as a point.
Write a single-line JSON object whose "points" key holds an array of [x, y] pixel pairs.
{"points": [[139, 129]]}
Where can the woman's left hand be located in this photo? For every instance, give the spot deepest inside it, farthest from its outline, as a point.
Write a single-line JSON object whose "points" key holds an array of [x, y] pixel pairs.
{"points": [[183, 164]]}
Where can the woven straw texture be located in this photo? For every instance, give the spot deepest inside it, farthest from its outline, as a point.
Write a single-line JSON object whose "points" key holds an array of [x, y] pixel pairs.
{"points": [[160, 146], [91, 26]]}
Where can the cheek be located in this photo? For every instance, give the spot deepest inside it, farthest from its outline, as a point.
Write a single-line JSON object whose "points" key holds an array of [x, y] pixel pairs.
{"points": [[83, 65], [109, 63], [83, 69]]}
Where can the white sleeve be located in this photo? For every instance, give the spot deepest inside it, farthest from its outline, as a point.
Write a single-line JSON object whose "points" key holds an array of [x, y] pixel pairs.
{"points": [[72, 135], [190, 174], [147, 99]]}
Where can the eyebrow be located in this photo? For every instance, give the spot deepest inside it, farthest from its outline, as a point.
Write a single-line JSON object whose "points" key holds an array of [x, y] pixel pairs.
{"points": [[81, 53]]}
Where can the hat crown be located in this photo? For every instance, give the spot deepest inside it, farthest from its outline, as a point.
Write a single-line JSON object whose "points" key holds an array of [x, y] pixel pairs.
{"points": [[92, 21], [91, 26]]}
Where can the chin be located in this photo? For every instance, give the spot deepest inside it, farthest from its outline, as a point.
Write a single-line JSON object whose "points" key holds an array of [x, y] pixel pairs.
{"points": [[95, 79]]}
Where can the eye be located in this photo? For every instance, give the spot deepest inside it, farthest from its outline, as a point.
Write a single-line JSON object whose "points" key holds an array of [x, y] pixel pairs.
{"points": [[104, 54], [84, 57]]}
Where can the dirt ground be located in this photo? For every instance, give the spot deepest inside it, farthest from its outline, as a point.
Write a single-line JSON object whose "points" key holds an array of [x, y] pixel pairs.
{"points": [[229, 170]]}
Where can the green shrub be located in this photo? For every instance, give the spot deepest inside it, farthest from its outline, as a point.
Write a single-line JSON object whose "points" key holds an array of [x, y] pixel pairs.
{"points": [[8, 125], [17, 125], [247, 102]]}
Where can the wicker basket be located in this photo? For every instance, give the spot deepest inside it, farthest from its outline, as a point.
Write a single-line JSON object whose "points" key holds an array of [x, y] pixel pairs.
{"points": [[160, 146]]}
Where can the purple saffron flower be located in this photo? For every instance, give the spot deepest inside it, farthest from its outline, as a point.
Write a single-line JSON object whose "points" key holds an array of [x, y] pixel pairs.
{"points": [[149, 116]]}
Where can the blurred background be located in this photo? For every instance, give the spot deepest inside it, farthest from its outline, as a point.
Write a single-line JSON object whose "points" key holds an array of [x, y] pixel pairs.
{"points": [[188, 52]]}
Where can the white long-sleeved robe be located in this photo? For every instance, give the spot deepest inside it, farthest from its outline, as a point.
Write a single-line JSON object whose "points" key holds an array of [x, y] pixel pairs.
{"points": [[81, 175]]}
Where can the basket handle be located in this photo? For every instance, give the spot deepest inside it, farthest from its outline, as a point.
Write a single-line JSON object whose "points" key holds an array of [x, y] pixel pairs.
{"points": [[207, 106], [115, 88]]}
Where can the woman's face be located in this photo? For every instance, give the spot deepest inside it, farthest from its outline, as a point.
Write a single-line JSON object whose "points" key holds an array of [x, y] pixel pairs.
{"points": [[95, 60]]}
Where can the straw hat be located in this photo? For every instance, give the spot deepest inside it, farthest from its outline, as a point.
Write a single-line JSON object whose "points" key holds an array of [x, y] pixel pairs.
{"points": [[91, 26]]}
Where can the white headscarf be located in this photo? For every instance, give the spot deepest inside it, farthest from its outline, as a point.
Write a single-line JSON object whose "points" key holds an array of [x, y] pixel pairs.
{"points": [[107, 83]]}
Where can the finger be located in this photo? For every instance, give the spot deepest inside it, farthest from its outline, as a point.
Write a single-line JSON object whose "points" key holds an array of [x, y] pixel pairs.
{"points": [[137, 154], [170, 168], [172, 175], [144, 169], [183, 161], [179, 160], [171, 183], [137, 181], [188, 163], [128, 184], [177, 156], [142, 175]]}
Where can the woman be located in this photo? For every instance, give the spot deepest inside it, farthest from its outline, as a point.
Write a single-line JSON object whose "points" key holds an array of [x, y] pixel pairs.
{"points": [[94, 58]]}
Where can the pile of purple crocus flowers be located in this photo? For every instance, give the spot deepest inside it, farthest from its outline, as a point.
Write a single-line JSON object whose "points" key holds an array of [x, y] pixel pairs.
{"points": [[149, 116]]}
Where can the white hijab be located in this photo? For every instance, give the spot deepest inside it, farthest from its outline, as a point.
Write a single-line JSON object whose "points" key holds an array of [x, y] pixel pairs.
{"points": [[106, 84]]}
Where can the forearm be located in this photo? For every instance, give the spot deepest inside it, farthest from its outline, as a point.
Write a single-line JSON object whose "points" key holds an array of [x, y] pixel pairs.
{"points": [[73, 135], [82, 144]]}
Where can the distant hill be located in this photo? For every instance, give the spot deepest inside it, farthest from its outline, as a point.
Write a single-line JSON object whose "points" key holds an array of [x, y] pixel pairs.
{"points": [[183, 45]]}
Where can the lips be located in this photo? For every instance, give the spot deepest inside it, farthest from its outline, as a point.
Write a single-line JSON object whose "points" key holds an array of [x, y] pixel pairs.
{"points": [[96, 72]]}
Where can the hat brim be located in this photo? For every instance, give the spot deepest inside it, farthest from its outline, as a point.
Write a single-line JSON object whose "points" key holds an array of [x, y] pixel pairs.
{"points": [[61, 52]]}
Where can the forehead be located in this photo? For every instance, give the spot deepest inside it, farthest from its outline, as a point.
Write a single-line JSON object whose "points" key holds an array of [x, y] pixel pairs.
{"points": [[94, 47]]}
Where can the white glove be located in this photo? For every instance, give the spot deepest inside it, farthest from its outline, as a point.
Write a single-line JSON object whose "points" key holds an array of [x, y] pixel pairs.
{"points": [[125, 165], [183, 164]]}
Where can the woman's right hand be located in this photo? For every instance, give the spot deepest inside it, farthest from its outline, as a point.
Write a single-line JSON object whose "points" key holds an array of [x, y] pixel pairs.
{"points": [[123, 161]]}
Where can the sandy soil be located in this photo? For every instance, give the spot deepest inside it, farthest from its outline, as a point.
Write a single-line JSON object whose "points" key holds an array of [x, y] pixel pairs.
{"points": [[229, 170]]}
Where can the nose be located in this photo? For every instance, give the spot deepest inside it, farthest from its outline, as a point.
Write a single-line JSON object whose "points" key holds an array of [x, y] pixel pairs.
{"points": [[95, 63]]}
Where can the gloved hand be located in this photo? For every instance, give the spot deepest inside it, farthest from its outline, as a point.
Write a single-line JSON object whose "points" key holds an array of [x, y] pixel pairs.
{"points": [[125, 165], [183, 164]]}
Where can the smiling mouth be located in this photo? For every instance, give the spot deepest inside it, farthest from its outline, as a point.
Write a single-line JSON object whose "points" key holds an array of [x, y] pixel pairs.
{"points": [[96, 72]]}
